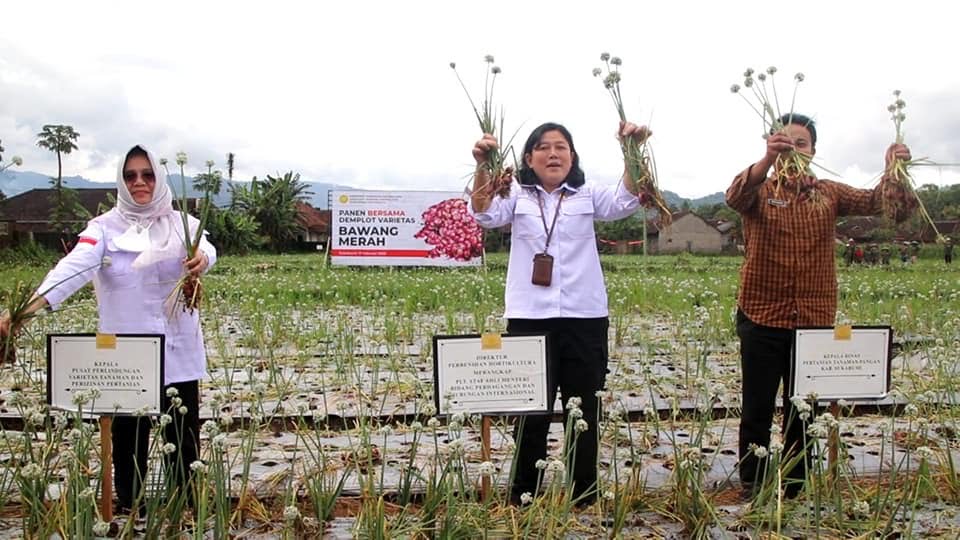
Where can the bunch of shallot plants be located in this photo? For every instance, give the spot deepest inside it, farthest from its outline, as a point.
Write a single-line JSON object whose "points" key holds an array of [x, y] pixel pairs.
{"points": [[898, 192], [23, 303], [495, 170], [637, 157], [34, 460], [322, 479], [189, 290], [765, 102], [453, 232]]}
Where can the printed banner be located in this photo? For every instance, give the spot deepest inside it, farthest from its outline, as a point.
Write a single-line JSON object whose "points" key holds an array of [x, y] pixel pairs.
{"points": [[478, 375], [854, 364], [126, 369], [403, 228]]}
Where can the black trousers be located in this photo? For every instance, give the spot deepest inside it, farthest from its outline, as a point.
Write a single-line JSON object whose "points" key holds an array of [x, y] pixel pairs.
{"points": [[765, 363], [578, 358], [131, 443]]}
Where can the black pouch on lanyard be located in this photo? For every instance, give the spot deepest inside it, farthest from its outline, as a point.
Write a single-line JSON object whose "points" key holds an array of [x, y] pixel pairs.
{"points": [[542, 269]]}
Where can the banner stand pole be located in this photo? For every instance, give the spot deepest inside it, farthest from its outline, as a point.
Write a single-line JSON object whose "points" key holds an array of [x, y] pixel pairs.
{"points": [[106, 468], [485, 456], [833, 455]]}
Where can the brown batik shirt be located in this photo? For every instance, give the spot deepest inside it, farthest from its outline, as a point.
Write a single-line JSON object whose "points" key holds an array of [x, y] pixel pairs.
{"points": [[788, 278]]}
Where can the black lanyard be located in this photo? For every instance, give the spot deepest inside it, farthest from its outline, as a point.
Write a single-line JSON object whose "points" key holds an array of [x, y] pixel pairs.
{"points": [[543, 217]]}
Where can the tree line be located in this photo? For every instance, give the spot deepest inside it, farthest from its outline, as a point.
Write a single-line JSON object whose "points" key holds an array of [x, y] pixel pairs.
{"points": [[941, 202], [261, 215]]}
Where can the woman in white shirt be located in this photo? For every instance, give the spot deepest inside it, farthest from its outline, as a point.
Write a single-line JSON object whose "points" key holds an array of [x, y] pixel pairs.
{"points": [[135, 256], [561, 293]]}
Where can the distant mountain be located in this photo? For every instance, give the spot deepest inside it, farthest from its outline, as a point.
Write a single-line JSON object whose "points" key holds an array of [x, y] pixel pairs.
{"points": [[16, 182], [675, 200]]}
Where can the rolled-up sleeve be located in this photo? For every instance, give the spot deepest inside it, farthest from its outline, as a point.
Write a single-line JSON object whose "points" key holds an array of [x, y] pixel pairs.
{"points": [[743, 197], [611, 203], [209, 250], [76, 269], [500, 211], [205, 246]]}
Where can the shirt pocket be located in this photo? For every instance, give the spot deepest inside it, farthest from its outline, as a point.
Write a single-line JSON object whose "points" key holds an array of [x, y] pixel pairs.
{"points": [[577, 218], [119, 274], [527, 222], [169, 272]]}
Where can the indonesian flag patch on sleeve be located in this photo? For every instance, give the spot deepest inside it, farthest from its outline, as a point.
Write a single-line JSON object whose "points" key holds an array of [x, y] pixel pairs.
{"points": [[87, 240]]}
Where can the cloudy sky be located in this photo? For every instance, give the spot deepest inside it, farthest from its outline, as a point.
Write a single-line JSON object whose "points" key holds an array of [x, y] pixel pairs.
{"points": [[360, 93]]}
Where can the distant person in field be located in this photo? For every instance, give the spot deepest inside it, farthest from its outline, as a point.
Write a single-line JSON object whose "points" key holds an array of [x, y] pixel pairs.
{"points": [[948, 250], [134, 254], [885, 255], [848, 250], [914, 251], [551, 211], [788, 279]]}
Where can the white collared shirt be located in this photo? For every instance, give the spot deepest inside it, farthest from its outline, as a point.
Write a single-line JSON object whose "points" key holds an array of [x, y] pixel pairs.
{"points": [[133, 301], [577, 289]]}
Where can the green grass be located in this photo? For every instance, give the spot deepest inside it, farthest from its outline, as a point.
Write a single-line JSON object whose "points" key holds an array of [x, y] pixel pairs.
{"points": [[266, 316]]}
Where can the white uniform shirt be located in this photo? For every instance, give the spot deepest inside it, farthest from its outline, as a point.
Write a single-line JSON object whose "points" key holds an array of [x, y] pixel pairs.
{"points": [[577, 289], [133, 301]]}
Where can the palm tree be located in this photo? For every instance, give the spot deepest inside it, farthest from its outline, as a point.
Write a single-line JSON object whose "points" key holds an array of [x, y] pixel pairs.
{"points": [[209, 183], [273, 204], [230, 158], [60, 139]]}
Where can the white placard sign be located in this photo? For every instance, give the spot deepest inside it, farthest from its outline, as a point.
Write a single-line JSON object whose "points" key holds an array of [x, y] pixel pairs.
{"points": [[473, 379], [854, 368], [403, 228], [126, 369]]}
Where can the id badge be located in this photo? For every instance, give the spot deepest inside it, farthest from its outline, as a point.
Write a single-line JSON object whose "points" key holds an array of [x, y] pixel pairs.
{"points": [[779, 203], [542, 269]]}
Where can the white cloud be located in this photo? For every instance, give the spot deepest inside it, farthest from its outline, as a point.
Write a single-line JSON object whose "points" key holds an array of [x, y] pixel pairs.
{"points": [[360, 93]]}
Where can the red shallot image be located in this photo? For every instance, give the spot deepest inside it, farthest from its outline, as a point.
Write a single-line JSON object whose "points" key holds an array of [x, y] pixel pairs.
{"points": [[452, 231]]}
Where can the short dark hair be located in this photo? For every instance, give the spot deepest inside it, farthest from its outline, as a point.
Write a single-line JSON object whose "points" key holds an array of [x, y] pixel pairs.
{"points": [[136, 151], [575, 178], [803, 121]]}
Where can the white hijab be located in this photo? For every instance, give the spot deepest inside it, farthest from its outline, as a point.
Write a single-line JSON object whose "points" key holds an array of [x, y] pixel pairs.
{"points": [[154, 232]]}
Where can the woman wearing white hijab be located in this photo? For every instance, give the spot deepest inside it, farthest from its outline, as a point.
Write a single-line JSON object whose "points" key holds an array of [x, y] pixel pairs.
{"points": [[135, 256]]}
